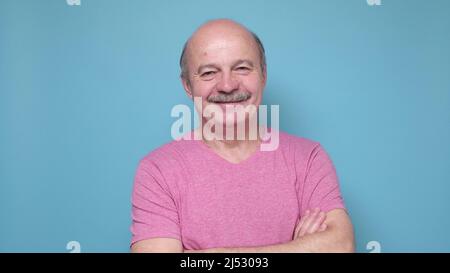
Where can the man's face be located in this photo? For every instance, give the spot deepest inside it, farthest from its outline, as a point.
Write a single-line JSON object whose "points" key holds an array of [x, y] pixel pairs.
{"points": [[225, 70]]}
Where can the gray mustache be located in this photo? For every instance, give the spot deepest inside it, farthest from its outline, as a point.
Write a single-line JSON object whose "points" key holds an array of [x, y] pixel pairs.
{"points": [[232, 97]]}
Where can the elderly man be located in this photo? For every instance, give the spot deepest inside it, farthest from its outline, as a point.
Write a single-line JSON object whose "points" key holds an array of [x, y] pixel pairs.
{"points": [[228, 195]]}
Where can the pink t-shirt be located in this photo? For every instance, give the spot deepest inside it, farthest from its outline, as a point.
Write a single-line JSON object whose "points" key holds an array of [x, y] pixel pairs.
{"points": [[184, 190]]}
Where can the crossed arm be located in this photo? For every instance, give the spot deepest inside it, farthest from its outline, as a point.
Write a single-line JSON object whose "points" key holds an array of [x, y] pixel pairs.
{"points": [[316, 231]]}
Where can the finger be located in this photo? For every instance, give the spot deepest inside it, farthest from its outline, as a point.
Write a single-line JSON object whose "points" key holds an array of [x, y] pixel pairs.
{"points": [[297, 228], [308, 222], [323, 227], [301, 222], [315, 225]]}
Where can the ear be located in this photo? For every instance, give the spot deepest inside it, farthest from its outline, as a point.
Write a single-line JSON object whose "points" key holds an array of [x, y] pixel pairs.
{"points": [[264, 77], [186, 86]]}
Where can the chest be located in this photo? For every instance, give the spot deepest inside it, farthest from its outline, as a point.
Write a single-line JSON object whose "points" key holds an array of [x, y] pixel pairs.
{"points": [[231, 208]]}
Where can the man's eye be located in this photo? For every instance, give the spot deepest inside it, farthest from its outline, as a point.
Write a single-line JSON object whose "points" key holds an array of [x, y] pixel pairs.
{"points": [[243, 68], [208, 73]]}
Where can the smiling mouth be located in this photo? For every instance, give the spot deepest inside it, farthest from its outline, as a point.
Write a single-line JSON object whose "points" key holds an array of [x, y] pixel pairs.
{"points": [[231, 102]]}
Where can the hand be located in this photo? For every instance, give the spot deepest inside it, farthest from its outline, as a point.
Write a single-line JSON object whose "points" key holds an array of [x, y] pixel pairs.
{"points": [[312, 222]]}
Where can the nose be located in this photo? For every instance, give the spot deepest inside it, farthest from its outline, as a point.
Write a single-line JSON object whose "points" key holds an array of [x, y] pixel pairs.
{"points": [[227, 83]]}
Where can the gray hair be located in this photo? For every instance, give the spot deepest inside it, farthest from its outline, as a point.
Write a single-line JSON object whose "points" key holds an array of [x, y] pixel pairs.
{"points": [[183, 59]]}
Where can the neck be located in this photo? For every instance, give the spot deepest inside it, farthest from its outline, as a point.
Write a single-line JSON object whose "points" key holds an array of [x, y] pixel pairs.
{"points": [[233, 145]]}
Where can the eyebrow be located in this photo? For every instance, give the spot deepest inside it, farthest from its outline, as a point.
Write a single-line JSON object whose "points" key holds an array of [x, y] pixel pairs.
{"points": [[215, 66]]}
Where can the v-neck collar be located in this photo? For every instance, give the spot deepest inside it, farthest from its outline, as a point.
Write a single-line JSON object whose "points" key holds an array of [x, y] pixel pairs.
{"points": [[218, 157]]}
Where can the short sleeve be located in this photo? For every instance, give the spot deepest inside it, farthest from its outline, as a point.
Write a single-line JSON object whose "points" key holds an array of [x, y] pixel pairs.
{"points": [[321, 185], [154, 212]]}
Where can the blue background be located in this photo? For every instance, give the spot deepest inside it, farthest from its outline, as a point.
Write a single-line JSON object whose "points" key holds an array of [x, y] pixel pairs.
{"points": [[86, 91]]}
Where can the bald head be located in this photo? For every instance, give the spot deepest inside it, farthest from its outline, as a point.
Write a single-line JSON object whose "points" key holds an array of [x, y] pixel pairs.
{"points": [[215, 31]]}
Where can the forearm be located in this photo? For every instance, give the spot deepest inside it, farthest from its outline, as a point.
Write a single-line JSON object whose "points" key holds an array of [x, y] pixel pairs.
{"points": [[289, 247], [337, 237], [331, 240]]}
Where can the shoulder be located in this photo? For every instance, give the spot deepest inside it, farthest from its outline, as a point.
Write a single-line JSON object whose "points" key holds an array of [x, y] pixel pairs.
{"points": [[302, 149], [297, 143], [171, 153], [164, 165]]}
